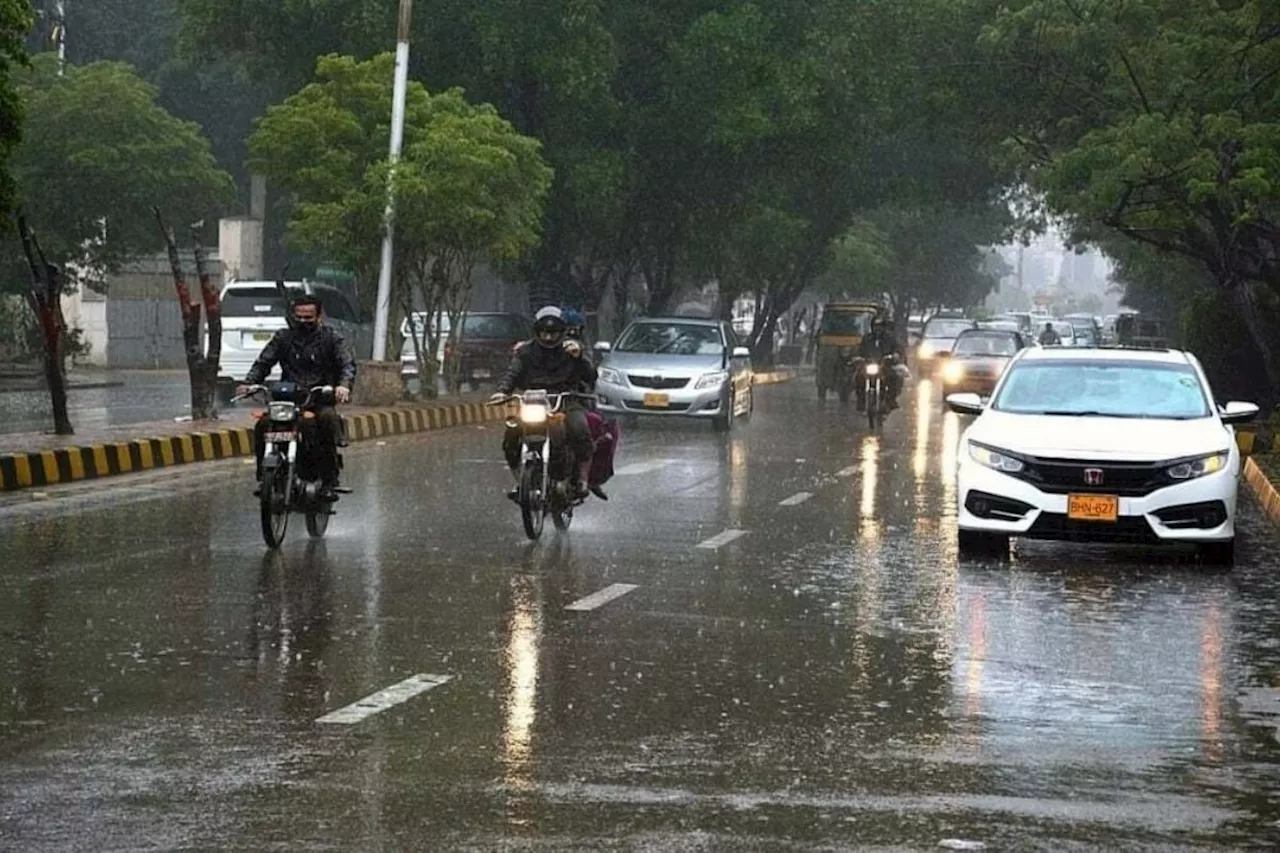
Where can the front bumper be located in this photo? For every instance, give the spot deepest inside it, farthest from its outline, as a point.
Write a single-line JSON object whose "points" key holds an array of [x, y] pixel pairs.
{"points": [[1199, 510], [687, 402]]}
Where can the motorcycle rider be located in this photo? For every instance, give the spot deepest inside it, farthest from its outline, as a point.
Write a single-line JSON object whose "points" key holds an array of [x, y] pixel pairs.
{"points": [[574, 324], [878, 346], [556, 364], [309, 353], [1049, 337]]}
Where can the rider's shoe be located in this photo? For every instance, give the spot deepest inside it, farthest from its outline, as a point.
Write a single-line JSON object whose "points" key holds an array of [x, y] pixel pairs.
{"points": [[513, 494], [599, 492]]}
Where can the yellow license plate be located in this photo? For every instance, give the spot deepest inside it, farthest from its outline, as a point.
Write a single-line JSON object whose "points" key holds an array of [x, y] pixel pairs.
{"points": [[657, 401], [263, 336], [1093, 507]]}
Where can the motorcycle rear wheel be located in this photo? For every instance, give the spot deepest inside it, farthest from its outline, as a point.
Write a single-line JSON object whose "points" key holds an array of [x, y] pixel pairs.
{"points": [[532, 500], [274, 507]]}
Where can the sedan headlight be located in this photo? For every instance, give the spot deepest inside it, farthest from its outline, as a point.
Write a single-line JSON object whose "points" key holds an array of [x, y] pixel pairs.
{"points": [[1201, 467], [282, 412], [711, 380], [533, 413], [608, 374], [926, 350], [953, 372], [995, 459]]}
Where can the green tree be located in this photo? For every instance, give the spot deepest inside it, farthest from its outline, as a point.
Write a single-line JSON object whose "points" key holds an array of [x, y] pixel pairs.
{"points": [[468, 187], [15, 21]]}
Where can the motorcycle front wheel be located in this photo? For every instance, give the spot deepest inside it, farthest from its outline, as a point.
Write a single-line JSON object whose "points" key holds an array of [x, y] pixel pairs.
{"points": [[532, 500], [873, 407], [318, 512], [274, 507]]}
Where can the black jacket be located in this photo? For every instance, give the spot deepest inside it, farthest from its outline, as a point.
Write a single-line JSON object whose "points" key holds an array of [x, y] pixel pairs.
{"points": [[321, 357], [534, 367], [879, 345]]}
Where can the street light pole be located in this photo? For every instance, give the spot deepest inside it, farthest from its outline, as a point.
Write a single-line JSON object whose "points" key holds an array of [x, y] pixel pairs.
{"points": [[383, 308]]}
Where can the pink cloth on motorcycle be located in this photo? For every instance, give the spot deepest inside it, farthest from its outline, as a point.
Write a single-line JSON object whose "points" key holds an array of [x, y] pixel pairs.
{"points": [[605, 437]]}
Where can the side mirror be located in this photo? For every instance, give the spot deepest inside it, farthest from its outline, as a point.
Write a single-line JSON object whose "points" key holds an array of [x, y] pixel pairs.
{"points": [[965, 404], [602, 346], [741, 352], [1238, 413]]}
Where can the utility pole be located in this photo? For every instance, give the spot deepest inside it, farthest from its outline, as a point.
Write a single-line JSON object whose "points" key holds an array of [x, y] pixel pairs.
{"points": [[383, 307]]}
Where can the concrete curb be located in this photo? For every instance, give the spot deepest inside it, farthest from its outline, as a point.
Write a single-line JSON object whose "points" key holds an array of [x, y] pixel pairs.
{"points": [[1263, 489], [97, 461]]}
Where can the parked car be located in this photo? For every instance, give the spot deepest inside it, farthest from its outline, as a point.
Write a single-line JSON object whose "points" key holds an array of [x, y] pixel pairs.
{"points": [[409, 346], [253, 311], [1100, 446], [677, 367], [978, 360], [486, 342]]}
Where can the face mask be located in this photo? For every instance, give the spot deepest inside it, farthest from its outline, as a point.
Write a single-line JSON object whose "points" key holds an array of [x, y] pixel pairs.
{"points": [[307, 325]]}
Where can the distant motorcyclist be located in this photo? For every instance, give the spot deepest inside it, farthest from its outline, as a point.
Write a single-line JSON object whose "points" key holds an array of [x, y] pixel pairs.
{"points": [[575, 325], [309, 353], [1049, 336], [556, 364], [879, 346]]}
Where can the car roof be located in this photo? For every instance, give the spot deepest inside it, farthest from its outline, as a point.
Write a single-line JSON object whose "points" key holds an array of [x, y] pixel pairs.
{"points": [[691, 321], [1155, 356], [986, 332]]}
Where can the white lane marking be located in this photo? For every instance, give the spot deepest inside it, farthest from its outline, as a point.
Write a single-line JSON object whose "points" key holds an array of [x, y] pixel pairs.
{"points": [[796, 499], [722, 539], [642, 467], [601, 597], [847, 472], [384, 699]]}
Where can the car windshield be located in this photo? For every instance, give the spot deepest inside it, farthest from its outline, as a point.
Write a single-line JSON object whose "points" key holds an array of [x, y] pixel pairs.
{"points": [[946, 328], [846, 322], [494, 326], [1065, 330], [969, 344], [1115, 389], [254, 302], [671, 338]]}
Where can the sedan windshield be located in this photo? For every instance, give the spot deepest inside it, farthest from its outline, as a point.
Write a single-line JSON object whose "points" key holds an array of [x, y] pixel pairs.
{"points": [[672, 339], [998, 345], [946, 328], [1113, 389]]}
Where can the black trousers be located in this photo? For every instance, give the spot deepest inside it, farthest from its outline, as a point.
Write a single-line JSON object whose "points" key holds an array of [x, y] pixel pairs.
{"points": [[577, 439], [320, 432]]}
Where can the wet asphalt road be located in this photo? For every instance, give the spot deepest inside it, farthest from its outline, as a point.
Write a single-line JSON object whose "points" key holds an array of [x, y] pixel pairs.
{"points": [[832, 679], [141, 396]]}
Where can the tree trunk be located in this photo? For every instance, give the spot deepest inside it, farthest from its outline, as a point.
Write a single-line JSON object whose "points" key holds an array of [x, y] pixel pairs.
{"points": [[1245, 297], [204, 381], [43, 296], [190, 322]]}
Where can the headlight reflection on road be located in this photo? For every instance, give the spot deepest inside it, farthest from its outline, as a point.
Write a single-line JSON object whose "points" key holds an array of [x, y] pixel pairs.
{"points": [[1211, 683], [920, 452], [524, 636], [737, 476], [977, 655], [950, 442], [869, 532]]}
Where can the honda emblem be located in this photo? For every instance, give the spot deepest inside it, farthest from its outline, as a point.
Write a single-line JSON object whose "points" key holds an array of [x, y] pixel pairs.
{"points": [[1093, 476]]}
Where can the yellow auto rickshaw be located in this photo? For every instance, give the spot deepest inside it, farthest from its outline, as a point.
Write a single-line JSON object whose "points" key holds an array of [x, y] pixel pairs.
{"points": [[844, 325]]}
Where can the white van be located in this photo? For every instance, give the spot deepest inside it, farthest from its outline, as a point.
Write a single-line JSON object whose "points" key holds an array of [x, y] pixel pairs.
{"points": [[252, 311], [409, 348]]}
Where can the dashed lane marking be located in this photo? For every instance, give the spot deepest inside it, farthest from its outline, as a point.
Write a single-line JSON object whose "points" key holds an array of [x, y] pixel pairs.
{"points": [[384, 699], [722, 539], [601, 597], [796, 499], [847, 472]]}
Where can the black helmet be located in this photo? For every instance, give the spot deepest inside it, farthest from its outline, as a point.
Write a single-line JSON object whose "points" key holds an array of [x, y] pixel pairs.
{"points": [[549, 326]]}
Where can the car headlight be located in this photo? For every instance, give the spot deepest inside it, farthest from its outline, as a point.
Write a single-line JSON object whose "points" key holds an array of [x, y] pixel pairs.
{"points": [[533, 413], [925, 351], [282, 412], [953, 372], [873, 369], [1201, 467], [710, 380], [608, 374], [995, 459]]}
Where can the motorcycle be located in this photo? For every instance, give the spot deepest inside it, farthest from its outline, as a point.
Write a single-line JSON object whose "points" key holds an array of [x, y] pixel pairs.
{"points": [[547, 468], [847, 364], [876, 390], [289, 480]]}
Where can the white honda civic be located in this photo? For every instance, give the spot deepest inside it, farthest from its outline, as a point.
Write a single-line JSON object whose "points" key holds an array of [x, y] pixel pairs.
{"points": [[1100, 445]]}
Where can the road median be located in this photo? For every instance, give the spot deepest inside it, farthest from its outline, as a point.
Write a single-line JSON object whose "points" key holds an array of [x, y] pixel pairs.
{"points": [[37, 460]]}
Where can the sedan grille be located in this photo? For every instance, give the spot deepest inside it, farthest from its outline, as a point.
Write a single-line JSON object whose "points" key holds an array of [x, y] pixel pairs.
{"points": [[1125, 529], [661, 383], [1063, 476]]}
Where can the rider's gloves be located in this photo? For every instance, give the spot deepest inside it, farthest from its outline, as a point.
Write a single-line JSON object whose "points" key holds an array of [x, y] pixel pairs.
{"points": [[573, 347]]}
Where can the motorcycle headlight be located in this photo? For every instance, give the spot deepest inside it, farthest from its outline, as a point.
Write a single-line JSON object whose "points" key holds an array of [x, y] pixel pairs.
{"points": [[711, 380], [282, 411], [1201, 467], [608, 374], [953, 372], [533, 413], [873, 369], [995, 459]]}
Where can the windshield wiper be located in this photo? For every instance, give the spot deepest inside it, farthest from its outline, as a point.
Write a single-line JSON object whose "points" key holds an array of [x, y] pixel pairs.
{"points": [[1091, 413]]}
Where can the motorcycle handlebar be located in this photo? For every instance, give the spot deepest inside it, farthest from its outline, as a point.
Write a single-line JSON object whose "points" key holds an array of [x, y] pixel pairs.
{"points": [[255, 390], [556, 399]]}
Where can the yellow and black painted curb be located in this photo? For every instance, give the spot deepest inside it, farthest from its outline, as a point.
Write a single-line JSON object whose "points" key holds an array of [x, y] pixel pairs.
{"points": [[1263, 489], [96, 461]]}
